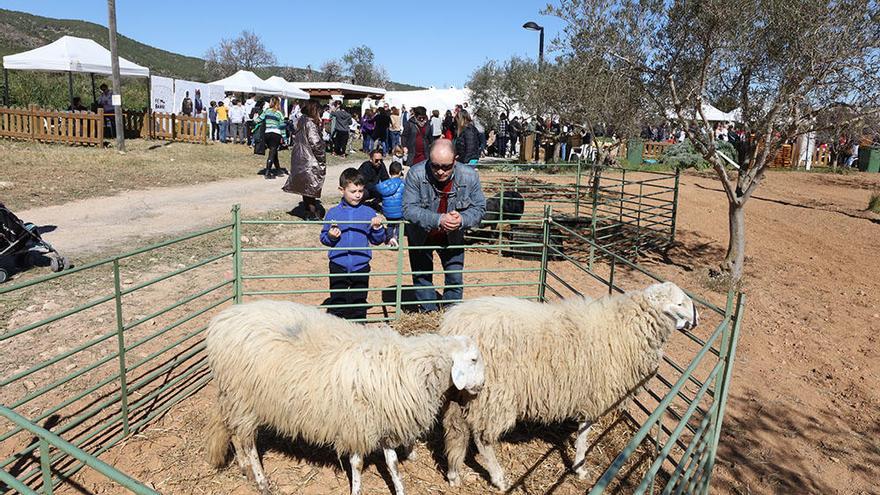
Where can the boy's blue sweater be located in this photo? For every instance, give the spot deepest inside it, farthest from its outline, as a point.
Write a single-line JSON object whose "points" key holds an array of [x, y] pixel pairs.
{"points": [[358, 236], [392, 197]]}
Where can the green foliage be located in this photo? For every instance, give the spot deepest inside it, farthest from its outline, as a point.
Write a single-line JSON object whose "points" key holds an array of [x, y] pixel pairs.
{"points": [[502, 87], [683, 155]]}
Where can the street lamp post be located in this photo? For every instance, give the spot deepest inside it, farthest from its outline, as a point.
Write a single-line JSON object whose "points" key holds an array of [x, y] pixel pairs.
{"points": [[534, 26]]}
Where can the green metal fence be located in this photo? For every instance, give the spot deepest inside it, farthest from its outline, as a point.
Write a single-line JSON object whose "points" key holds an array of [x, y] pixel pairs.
{"points": [[98, 388], [625, 211]]}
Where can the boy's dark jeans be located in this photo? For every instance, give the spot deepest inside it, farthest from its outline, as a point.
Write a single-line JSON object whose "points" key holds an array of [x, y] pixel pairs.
{"points": [[359, 280]]}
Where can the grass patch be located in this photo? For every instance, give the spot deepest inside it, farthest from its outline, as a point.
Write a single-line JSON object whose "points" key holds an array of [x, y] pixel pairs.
{"points": [[37, 174], [874, 202]]}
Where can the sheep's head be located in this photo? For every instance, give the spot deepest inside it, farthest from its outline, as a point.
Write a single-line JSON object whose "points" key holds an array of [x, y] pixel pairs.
{"points": [[674, 303], [468, 368]]}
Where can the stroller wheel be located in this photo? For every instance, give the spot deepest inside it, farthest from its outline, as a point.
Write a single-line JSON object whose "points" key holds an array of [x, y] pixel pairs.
{"points": [[4, 276], [58, 263]]}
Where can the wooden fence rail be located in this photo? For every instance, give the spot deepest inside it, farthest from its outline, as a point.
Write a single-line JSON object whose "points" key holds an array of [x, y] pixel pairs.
{"points": [[88, 128]]}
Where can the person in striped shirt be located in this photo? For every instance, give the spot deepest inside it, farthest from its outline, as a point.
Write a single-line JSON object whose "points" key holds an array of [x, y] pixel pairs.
{"points": [[273, 134]]}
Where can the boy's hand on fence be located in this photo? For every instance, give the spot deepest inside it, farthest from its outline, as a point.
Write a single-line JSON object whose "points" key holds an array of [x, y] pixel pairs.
{"points": [[376, 222], [334, 232]]}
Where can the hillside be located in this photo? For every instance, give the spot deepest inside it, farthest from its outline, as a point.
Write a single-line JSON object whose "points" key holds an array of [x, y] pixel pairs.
{"points": [[20, 31]]}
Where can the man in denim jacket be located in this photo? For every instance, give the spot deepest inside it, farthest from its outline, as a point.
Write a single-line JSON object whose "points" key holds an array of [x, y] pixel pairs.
{"points": [[441, 199]]}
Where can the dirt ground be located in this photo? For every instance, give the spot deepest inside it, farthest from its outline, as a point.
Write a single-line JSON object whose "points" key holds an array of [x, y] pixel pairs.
{"points": [[803, 410]]}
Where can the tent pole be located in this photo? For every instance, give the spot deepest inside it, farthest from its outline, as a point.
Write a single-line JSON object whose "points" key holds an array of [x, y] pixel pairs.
{"points": [[70, 87], [5, 86], [117, 80], [94, 93]]}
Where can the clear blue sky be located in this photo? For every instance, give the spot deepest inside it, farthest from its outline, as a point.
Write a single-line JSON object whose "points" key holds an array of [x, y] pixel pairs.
{"points": [[455, 36]]}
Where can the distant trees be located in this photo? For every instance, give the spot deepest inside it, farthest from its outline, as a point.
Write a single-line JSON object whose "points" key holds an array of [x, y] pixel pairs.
{"points": [[246, 51], [357, 66], [503, 86]]}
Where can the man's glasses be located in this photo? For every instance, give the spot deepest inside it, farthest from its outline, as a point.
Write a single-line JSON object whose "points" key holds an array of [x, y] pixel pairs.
{"points": [[440, 166]]}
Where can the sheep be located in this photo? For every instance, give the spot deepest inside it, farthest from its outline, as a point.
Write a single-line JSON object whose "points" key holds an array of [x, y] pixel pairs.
{"points": [[546, 363], [513, 207], [329, 381]]}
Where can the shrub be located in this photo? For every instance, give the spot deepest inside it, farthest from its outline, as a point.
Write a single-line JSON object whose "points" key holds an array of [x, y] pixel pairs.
{"points": [[683, 155]]}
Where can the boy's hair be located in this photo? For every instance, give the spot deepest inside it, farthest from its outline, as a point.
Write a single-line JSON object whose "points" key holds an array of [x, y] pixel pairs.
{"points": [[395, 168], [350, 176], [377, 151], [398, 150]]}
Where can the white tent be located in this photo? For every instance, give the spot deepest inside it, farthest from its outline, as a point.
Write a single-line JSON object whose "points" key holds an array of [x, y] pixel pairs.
{"points": [[70, 54], [245, 81], [431, 98], [288, 90], [712, 114]]}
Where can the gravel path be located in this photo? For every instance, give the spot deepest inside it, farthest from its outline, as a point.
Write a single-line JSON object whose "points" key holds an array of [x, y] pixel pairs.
{"points": [[93, 225]]}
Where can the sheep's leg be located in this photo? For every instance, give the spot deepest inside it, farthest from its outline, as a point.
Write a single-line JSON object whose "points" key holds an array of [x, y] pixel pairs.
{"points": [[496, 473], [456, 435], [391, 461], [241, 457], [357, 463], [257, 467], [410, 453], [580, 449]]}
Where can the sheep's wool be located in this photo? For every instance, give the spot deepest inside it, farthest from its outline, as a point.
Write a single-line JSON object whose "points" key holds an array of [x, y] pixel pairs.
{"points": [[329, 381], [549, 362]]}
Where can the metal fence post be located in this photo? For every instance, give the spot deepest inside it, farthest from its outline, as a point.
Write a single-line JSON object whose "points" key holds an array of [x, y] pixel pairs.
{"points": [[236, 256], [500, 218], [597, 174], [577, 191], [120, 338], [674, 207], [611, 276], [398, 309], [639, 220], [730, 337], [542, 285], [46, 467]]}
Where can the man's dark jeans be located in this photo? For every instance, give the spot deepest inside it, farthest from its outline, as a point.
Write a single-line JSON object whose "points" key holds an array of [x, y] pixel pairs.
{"points": [[340, 142], [359, 281], [422, 260]]}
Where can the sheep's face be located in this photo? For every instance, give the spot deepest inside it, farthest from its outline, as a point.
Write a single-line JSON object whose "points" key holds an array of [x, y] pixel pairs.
{"points": [[468, 368], [674, 303]]}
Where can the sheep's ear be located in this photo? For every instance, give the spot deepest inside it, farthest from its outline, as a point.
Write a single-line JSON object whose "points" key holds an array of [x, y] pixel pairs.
{"points": [[459, 376]]}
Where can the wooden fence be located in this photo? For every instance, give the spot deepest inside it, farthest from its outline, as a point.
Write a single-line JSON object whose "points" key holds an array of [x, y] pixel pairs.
{"points": [[87, 128], [52, 126]]}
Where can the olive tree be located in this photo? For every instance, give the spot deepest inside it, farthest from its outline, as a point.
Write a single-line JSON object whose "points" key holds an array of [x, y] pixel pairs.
{"points": [[785, 65], [246, 51]]}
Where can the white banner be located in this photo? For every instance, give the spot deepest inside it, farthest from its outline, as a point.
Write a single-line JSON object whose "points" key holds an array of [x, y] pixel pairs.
{"points": [[215, 93], [161, 94], [182, 90]]}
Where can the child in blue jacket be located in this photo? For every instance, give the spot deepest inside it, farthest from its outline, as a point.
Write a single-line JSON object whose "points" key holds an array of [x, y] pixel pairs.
{"points": [[350, 268], [392, 200]]}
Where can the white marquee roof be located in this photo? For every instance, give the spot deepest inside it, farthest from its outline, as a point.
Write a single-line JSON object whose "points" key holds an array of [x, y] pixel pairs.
{"points": [[71, 54], [288, 89]]}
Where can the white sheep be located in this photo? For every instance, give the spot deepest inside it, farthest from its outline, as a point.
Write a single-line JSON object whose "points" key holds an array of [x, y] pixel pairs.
{"points": [[550, 362], [328, 381]]}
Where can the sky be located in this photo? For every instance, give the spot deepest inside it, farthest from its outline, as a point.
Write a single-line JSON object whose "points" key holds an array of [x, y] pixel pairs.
{"points": [[454, 36]]}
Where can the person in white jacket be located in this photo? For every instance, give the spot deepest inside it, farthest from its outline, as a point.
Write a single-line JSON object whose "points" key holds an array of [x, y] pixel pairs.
{"points": [[237, 117]]}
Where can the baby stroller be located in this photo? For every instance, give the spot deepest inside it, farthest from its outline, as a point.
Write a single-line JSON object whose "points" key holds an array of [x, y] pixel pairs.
{"points": [[16, 241]]}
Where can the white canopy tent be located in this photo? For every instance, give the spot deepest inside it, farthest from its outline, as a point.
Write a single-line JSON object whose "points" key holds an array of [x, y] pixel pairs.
{"points": [[431, 98], [245, 81], [713, 114], [70, 54], [288, 90]]}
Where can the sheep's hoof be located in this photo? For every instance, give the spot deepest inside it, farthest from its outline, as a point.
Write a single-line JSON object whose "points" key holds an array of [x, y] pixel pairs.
{"points": [[582, 473], [266, 491], [453, 478], [412, 455], [501, 485]]}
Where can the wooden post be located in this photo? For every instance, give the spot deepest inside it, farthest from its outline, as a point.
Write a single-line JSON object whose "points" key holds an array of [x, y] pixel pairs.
{"points": [[117, 80], [70, 87]]}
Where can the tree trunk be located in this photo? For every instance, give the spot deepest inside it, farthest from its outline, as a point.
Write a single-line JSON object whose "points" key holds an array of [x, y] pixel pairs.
{"points": [[736, 245]]}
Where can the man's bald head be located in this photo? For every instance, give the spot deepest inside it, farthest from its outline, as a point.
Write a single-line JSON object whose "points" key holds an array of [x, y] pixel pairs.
{"points": [[442, 151]]}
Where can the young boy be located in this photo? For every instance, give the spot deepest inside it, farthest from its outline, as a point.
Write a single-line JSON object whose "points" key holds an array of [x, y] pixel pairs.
{"points": [[350, 268], [392, 199]]}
